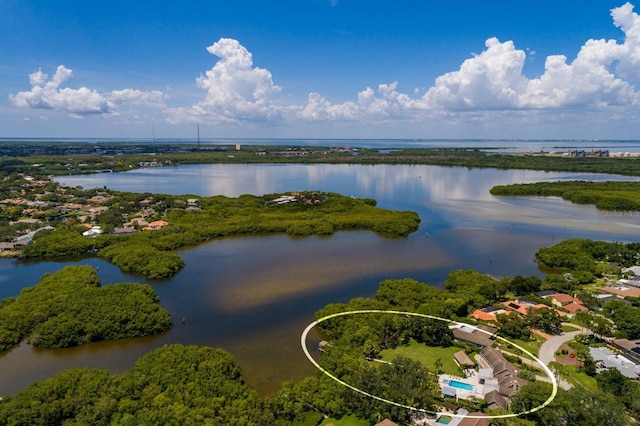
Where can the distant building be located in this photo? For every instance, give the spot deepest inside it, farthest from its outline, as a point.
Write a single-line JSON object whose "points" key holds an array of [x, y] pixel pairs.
{"points": [[631, 348], [123, 231], [285, 199], [463, 360], [522, 306], [629, 282], [5, 246], [571, 304]]}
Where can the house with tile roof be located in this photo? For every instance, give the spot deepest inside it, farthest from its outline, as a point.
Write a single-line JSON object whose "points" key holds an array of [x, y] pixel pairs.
{"points": [[571, 304]]}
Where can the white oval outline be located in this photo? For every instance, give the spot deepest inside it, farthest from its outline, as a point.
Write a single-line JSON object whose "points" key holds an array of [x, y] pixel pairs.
{"points": [[303, 339]]}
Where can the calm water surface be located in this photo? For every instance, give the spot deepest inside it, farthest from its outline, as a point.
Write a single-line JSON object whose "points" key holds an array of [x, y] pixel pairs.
{"points": [[254, 295]]}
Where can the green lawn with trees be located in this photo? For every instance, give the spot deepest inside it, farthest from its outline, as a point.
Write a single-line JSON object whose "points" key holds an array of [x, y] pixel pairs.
{"points": [[69, 308], [435, 358]]}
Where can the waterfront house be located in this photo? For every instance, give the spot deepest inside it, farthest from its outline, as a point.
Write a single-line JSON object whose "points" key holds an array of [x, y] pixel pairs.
{"points": [[570, 304], [480, 335], [503, 371], [94, 231], [157, 224], [5, 246]]}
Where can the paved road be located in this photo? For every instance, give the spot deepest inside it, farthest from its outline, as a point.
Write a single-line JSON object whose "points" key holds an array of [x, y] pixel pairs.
{"points": [[550, 347]]}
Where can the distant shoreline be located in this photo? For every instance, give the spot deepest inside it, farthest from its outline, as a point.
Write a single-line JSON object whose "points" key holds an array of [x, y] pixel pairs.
{"points": [[512, 145]]}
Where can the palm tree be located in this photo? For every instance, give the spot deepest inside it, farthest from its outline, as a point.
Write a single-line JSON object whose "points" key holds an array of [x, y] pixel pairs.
{"points": [[438, 366]]}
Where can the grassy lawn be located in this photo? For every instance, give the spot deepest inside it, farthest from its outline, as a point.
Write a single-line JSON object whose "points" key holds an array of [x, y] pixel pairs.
{"points": [[575, 377], [532, 345], [345, 421], [426, 355], [569, 328]]}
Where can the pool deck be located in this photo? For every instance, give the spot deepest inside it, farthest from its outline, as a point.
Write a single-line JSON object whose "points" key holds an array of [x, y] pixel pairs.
{"points": [[472, 379]]}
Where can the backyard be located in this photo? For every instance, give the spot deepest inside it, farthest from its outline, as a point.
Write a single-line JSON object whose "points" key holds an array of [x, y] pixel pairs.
{"points": [[427, 355]]}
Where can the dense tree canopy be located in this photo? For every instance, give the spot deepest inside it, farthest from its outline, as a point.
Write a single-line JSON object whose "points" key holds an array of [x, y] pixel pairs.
{"points": [[585, 258], [170, 385], [218, 216], [69, 308], [577, 406], [611, 195]]}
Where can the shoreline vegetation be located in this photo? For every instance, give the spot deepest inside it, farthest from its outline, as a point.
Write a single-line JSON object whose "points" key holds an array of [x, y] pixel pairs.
{"points": [[178, 384], [80, 158], [610, 195], [178, 223], [69, 308]]}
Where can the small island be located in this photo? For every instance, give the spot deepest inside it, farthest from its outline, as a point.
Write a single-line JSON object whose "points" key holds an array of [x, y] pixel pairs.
{"points": [[70, 308]]}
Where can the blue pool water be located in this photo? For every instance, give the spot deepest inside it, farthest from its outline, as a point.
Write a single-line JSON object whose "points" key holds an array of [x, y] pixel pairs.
{"points": [[462, 385]]}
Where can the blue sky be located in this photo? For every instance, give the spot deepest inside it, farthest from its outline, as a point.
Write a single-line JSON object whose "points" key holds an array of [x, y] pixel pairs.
{"points": [[320, 69]]}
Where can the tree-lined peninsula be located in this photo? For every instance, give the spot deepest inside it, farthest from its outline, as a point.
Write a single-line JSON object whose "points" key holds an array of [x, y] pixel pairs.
{"points": [[138, 231]]}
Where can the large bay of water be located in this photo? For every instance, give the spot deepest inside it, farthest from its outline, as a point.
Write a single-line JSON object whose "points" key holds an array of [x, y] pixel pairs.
{"points": [[254, 295]]}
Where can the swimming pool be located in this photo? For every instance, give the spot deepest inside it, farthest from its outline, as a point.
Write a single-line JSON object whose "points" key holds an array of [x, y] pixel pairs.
{"points": [[462, 385], [444, 420]]}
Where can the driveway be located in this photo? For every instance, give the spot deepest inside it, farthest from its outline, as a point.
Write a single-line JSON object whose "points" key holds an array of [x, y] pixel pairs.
{"points": [[550, 347]]}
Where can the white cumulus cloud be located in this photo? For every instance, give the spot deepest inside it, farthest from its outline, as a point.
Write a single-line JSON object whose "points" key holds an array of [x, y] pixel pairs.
{"points": [[47, 93], [629, 22], [600, 77], [490, 80], [235, 89], [487, 88]]}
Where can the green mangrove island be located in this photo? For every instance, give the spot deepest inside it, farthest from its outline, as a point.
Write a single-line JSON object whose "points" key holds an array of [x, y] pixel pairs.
{"points": [[69, 308], [610, 195]]}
